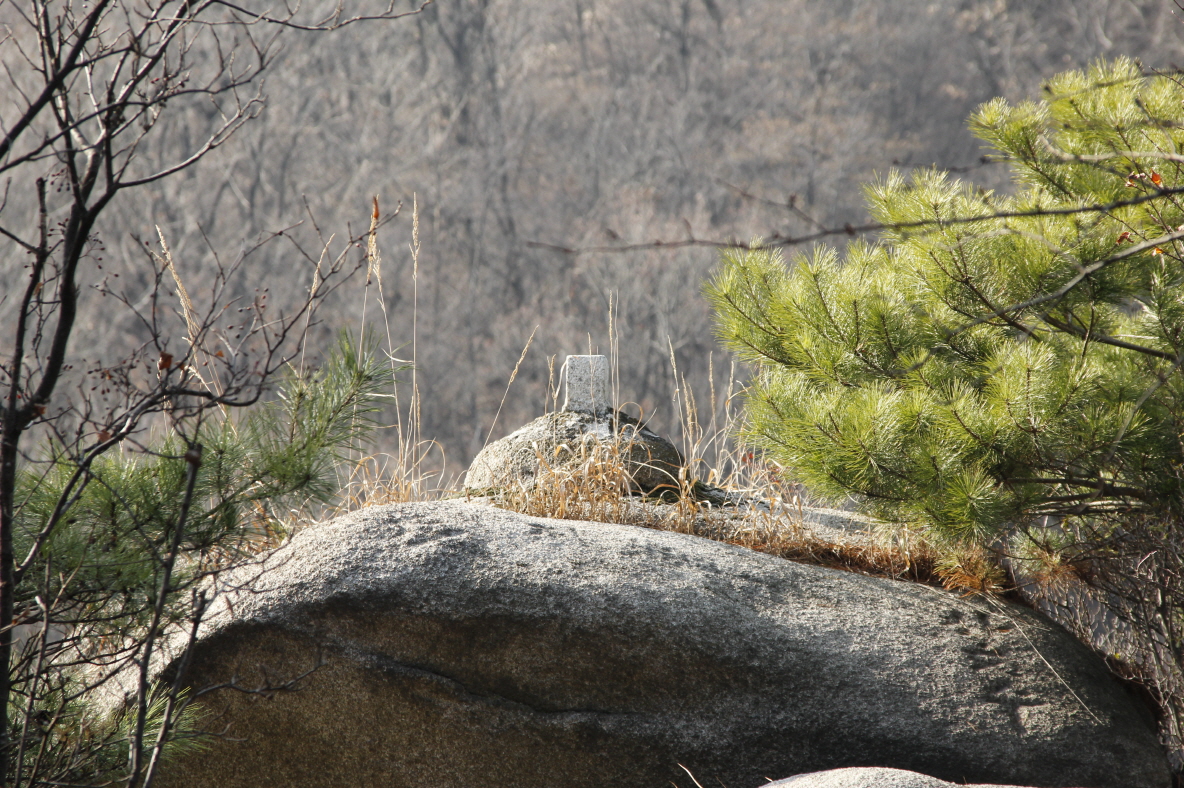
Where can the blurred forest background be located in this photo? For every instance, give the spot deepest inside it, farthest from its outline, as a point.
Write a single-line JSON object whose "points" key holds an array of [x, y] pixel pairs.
{"points": [[582, 124]]}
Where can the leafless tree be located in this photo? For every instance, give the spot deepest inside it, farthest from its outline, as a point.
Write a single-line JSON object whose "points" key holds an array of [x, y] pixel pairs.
{"points": [[598, 124], [87, 117]]}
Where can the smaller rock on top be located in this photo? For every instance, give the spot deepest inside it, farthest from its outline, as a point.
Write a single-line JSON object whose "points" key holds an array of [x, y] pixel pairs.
{"points": [[568, 441], [586, 380]]}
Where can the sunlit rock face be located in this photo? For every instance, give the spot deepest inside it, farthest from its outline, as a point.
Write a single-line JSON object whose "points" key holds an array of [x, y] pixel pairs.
{"points": [[453, 644]]}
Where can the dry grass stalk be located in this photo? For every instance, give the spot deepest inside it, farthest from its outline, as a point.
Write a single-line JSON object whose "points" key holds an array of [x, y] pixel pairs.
{"points": [[380, 479], [879, 559], [592, 483]]}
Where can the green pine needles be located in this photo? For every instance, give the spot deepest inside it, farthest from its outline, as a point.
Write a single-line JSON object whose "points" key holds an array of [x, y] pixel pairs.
{"points": [[280, 456], [114, 574], [991, 358], [1006, 373]]}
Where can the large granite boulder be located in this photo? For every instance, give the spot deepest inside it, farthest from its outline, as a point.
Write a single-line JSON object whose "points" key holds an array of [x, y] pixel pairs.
{"points": [[870, 777], [567, 441], [453, 644]]}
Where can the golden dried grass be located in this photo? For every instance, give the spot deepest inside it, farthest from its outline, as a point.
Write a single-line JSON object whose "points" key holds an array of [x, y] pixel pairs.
{"points": [[595, 486]]}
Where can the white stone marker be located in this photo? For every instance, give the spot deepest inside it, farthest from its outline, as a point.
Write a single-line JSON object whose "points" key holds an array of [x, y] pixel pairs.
{"points": [[586, 378]]}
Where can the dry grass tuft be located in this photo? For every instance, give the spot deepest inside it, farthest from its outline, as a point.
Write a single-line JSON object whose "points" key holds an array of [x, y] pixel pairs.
{"points": [[596, 487], [403, 477], [971, 570], [591, 481], [890, 560]]}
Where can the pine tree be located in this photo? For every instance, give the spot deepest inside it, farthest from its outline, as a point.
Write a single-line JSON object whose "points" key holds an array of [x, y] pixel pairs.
{"points": [[1003, 370], [137, 532]]}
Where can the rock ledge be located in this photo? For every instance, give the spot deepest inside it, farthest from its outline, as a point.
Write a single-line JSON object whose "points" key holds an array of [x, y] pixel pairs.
{"points": [[461, 645]]}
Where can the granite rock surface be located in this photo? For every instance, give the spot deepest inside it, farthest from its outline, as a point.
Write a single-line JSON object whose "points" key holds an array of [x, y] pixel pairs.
{"points": [[452, 644]]}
